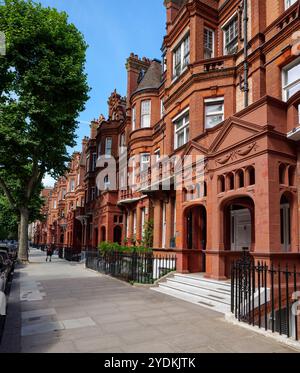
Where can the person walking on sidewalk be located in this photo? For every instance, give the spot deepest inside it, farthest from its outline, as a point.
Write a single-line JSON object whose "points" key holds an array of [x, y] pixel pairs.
{"points": [[50, 251]]}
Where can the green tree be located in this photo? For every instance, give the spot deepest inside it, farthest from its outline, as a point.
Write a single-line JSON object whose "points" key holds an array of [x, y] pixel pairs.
{"points": [[43, 88]]}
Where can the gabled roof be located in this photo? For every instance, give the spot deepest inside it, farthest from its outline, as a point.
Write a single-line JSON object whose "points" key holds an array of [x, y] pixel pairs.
{"points": [[152, 77]]}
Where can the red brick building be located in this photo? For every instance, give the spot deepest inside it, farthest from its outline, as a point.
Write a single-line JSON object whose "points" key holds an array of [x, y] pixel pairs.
{"points": [[230, 100]]}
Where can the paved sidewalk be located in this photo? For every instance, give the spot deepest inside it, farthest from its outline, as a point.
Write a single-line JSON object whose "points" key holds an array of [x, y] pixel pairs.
{"points": [[62, 307]]}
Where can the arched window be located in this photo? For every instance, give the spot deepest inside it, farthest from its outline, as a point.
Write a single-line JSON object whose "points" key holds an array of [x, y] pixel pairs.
{"points": [[221, 182], [230, 181]]}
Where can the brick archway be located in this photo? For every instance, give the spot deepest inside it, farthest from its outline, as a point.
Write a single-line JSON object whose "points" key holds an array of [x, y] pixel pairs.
{"points": [[195, 236], [232, 211]]}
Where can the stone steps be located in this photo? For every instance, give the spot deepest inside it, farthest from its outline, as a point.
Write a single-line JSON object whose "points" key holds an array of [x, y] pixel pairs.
{"points": [[215, 295]]}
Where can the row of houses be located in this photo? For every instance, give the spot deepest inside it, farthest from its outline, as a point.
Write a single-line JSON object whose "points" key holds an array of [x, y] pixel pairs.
{"points": [[204, 145]]}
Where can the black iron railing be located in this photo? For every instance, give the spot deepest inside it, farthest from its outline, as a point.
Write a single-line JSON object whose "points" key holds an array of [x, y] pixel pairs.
{"points": [[266, 296], [143, 268]]}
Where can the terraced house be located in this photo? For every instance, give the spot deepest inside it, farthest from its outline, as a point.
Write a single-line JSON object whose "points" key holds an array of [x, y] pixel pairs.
{"points": [[227, 94]]}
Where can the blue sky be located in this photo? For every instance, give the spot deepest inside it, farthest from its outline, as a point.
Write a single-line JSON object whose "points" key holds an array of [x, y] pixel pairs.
{"points": [[112, 29]]}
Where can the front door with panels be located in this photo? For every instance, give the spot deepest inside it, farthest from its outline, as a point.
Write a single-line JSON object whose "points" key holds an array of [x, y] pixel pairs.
{"points": [[241, 230]]}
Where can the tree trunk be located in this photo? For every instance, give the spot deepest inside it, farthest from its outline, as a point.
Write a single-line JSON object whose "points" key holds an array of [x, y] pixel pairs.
{"points": [[23, 242]]}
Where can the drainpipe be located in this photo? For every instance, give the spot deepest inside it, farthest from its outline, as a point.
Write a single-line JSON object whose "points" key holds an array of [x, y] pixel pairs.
{"points": [[246, 65]]}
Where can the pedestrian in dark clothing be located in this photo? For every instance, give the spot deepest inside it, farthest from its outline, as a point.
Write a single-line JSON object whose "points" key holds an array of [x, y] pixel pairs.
{"points": [[50, 251]]}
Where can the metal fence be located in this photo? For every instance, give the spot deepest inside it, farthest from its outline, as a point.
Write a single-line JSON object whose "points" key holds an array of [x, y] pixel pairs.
{"points": [[143, 268], [266, 296]]}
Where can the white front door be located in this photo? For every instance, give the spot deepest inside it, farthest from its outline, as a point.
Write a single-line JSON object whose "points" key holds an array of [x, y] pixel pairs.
{"points": [[285, 226], [241, 230]]}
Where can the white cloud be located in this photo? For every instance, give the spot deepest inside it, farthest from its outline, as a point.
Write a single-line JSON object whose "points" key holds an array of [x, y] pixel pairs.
{"points": [[48, 181]]}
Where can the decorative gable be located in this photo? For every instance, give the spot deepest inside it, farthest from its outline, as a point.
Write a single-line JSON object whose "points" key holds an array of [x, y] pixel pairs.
{"points": [[232, 133]]}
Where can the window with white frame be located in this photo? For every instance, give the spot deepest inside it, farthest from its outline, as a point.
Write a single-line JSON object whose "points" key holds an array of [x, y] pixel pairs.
{"points": [[289, 3], [54, 204], [132, 162], [157, 155], [291, 79], [145, 162], [72, 185], [162, 108], [209, 37], [214, 112], [78, 178], [231, 38], [133, 119], [181, 56], [108, 147], [182, 129], [63, 194], [122, 142], [146, 114], [106, 182]]}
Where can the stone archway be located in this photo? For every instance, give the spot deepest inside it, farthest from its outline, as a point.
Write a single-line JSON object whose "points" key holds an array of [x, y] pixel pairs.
{"points": [[238, 224], [195, 236]]}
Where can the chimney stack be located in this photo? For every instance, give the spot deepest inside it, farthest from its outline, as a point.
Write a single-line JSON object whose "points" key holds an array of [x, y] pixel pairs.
{"points": [[173, 7], [134, 65]]}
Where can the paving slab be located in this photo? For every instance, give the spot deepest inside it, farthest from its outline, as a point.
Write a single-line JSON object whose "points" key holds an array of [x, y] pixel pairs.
{"points": [[62, 307]]}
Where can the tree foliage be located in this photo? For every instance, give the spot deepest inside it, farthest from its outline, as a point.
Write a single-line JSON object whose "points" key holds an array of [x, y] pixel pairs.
{"points": [[43, 88]]}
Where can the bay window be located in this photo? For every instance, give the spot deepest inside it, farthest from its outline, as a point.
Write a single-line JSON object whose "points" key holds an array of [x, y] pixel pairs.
{"points": [[108, 147], [231, 36], [133, 118], [214, 112], [289, 3], [291, 79], [181, 56], [182, 130], [208, 43], [145, 162], [146, 114]]}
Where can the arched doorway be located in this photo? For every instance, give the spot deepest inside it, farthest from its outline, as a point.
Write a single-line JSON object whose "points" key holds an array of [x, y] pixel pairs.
{"points": [[239, 227], [118, 234], [285, 223], [196, 234]]}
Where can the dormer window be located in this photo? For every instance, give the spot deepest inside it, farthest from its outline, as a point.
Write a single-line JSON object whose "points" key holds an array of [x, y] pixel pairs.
{"points": [[209, 37], [230, 30], [181, 56]]}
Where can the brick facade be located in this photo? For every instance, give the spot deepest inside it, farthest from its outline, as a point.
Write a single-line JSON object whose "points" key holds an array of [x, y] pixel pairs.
{"points": [[248, 194]]}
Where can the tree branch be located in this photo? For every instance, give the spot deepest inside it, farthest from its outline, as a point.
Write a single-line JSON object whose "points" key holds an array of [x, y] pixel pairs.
{"points": [[7, 193]]}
